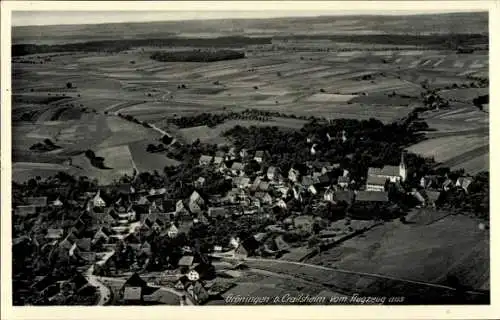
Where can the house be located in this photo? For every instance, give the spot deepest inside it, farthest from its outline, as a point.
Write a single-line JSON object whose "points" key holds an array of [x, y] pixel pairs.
{"points": [[54, 234], [199, 183], [430, 181], [284, 191], [241, 182], [57, 203], [259, 156], [133, 289], [432, 197], [215, 212], [312, 189], [376, 183], [219, 157], [100, 236], [38, 202], [307, 181], [371, 196], [197, 292], [243, 154], [256, 183], [231, 154], [222, 167], [447, 184], [196, 202], [293, 175], [281, 244], [24, 211], [464, 183], [344, 197], [237, 168], [280, 204], [263, 186], [304, 223], [264, 197], [328, 168], [418, 196], [329, 195], [180, 208], [185, 263], [343, 181], [205, 160], [240, 252], [272, 173], [97, 201]]}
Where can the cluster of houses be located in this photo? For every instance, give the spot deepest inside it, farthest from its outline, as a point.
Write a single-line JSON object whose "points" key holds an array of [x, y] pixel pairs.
{"points": [[104, 223]]}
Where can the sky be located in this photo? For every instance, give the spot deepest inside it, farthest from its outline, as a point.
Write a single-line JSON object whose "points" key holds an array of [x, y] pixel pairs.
{"points": [[27, 18]]}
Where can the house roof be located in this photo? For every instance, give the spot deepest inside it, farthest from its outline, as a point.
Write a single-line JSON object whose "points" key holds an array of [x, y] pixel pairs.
{"points": [[392, 171], [324, 179], [272, 170], [220, 154], [372, 196], [84, 244], [37, 201], [205, 158], [432, 195], [135, 281], [132, 293], [186, 261], [464, 182], [216, 211], [237, 166], [264, 186], [307, 180], [259, 154], [376, 180], [25, 210], [54, 233]]}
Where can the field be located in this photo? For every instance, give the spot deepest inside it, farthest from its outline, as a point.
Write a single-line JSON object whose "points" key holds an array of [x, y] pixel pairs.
{"points": [[443, 247], [328, 74]]}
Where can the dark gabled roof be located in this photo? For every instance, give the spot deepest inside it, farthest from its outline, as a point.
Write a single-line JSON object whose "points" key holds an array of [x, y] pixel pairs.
{"points": [[433, 196], [186, 261], [324, 179], [307, 181], [372, 196], [259, 154], [220, 154], [344, 196], [135, 281]]}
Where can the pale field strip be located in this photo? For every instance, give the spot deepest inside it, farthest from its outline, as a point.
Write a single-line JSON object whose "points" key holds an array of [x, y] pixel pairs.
{"points": [[444, 114], [459, 64], [325, 97], [411, 53], [37, 165], [476, 119], [350, 53]]}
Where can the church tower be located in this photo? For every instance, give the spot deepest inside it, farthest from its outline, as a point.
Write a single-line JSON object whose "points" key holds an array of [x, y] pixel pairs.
{"points": [[403, 171]]}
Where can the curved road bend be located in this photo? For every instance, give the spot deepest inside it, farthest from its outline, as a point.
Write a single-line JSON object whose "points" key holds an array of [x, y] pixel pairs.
{"points": [[104, 292]]}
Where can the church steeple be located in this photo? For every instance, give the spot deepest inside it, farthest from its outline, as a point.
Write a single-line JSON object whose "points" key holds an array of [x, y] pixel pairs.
{"points": [[402, 166]]}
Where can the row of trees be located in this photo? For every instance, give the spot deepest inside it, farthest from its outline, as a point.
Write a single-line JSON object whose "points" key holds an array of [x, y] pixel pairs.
{"points": [[197, 55]]}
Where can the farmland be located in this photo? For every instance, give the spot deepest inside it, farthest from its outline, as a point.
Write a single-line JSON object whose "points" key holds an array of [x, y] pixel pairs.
{"points": [[74, 96]]}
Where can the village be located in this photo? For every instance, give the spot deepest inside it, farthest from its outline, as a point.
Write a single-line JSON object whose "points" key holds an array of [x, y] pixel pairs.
{"points": [[143, 247]]}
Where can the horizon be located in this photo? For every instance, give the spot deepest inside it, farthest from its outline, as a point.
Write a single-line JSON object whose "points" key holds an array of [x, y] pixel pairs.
{"points": [[68, 18]]}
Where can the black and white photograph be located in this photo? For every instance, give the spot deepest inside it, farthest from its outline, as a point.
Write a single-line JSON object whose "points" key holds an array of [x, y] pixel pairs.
{"points": [[249, 157]]}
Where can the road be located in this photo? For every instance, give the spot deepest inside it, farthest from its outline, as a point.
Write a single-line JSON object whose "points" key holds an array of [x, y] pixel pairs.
{"points": [[104, 292]]}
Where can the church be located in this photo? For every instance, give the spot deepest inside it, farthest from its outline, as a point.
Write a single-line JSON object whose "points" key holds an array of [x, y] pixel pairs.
{"points": [[377, 177]]}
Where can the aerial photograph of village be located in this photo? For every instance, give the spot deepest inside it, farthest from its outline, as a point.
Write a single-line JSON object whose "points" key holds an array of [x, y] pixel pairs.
{"points": [[315, 159]]}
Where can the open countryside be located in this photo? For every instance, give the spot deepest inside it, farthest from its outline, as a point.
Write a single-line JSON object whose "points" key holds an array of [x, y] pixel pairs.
{"points": [[312, 157]]}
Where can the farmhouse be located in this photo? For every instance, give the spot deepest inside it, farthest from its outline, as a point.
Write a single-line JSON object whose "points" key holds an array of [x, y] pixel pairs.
{"points": [[464, 183], [293, 175], [205, 160], [371, 196], [237, 168], [272, 173], [219, 157], [259, 156], [196, 202]]}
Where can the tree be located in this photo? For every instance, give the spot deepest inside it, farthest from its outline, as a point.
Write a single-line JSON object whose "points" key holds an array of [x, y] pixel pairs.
{"points": [[69, 85]]}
